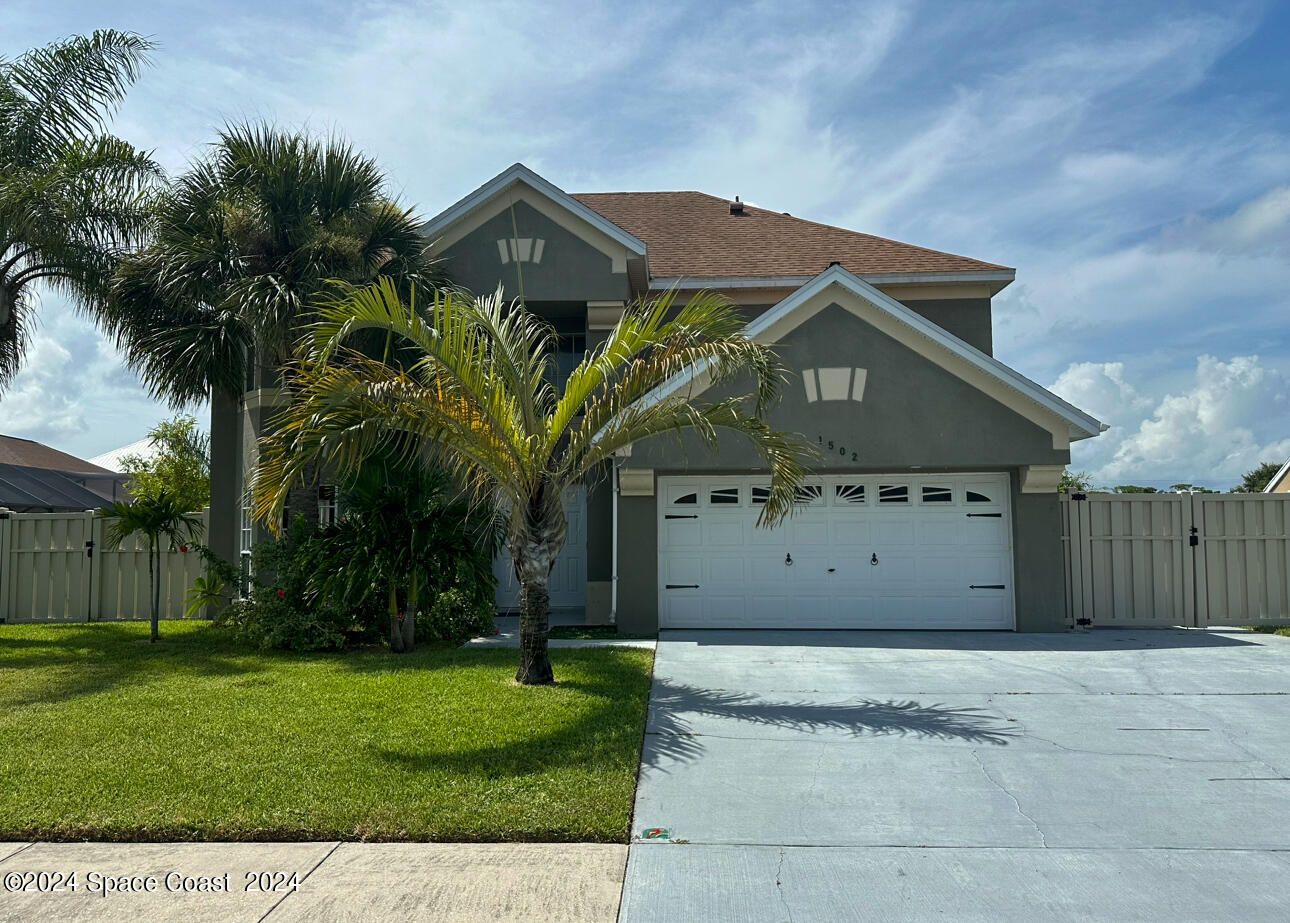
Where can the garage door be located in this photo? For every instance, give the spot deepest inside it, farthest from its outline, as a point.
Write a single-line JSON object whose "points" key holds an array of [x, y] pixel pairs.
{"points": [[898, 551]]}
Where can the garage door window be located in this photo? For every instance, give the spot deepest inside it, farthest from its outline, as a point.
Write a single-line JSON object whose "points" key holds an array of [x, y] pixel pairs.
{"points": [[848, 494], [683, 497], [893, 493], [810, 495], [974, 496], [937, 494], [760, 495], [724, 496]]}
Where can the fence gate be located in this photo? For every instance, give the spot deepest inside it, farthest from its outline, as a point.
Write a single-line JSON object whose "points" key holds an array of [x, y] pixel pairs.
{"points": [[55, 567], [1243, 558], [1157, 560], [46, 569]]}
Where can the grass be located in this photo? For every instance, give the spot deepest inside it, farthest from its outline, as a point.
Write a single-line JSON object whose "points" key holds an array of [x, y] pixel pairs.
{"points": [[107, 737], [593, 633], [1283, 630]]}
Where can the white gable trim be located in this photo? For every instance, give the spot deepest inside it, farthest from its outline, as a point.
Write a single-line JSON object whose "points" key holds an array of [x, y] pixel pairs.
{"points": [[522, 184], [1277, 478], [837, 285]]}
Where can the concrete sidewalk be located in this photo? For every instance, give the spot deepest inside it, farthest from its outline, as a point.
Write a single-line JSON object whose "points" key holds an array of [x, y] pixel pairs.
{"points": [[279, 882]]}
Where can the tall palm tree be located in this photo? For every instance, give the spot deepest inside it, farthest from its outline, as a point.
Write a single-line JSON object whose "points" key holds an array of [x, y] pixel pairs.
{"points": [[72, 197], [243, 245], [157, 518], [472, 385]]}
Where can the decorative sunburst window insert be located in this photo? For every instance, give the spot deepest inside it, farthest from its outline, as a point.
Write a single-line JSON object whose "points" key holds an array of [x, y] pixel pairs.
{"points": [[521, 249], [834, 384]]}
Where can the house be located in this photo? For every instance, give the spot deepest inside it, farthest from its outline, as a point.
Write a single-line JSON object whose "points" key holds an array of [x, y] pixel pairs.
{"points": [[934, 503], [36, 478], [1280, 483], [145, 449]]}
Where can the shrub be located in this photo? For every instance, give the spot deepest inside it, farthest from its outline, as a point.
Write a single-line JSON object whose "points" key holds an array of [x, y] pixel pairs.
{"points": [[404, 530], [280, 610]]}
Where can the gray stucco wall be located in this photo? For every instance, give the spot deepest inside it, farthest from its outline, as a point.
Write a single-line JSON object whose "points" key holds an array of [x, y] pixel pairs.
{"points": [[637, 565], [1039, 571], [570, 270], [226, 478], [966, 318], [969, 319], [913, 412]]}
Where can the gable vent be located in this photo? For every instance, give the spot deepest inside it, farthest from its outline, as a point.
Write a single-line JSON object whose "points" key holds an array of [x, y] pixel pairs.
{"points": [[736, 207]]}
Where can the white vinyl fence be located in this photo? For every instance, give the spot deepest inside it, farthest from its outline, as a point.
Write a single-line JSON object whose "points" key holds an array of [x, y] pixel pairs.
{"points": [[56, 567], [1155, 560]]}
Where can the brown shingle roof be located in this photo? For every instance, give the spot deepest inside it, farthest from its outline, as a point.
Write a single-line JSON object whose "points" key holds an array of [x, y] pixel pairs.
{"points": [[693, 235], [30, 454]]}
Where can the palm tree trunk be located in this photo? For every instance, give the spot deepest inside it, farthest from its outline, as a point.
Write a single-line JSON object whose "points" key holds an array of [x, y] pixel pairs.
{"points": [[535, 610], [154, 588], [396, 630], [410, 618]]}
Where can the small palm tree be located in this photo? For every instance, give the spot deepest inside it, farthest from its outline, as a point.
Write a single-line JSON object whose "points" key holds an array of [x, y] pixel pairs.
{"points": [[155, 517], [72, 197], [469, 381]]}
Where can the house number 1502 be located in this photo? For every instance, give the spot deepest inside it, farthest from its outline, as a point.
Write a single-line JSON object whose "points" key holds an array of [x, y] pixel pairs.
{"points": [[832, 446]]}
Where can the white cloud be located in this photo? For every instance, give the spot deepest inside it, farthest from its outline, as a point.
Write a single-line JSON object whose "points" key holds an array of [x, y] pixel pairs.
{"points": [[1230, 417]]}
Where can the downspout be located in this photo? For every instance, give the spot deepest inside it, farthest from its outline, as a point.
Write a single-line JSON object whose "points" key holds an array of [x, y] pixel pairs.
{"points": [[613, 554]]}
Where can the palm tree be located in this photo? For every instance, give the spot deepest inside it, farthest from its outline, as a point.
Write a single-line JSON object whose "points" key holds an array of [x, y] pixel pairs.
{"points": [[72, 197], [155, 517], [243, 245], [472, 385]]}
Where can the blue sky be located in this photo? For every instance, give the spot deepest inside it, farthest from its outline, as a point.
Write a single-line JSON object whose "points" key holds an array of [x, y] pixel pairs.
{"points": [[1131, 160]]}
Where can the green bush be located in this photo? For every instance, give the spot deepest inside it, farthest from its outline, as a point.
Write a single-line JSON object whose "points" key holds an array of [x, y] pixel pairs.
{"points": [[280, 610], [403, 527], [454, 617]]}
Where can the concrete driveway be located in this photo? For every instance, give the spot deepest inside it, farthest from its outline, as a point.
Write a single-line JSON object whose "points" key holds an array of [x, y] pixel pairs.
{"points": [[1106, 775]]}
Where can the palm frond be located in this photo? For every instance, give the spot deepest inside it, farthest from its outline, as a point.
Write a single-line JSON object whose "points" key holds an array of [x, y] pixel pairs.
{"points": [[63, 92]]}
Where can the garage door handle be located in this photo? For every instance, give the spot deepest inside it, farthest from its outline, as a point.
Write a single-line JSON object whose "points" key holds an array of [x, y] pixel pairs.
{"points": [[986, 586], [680, 516], [984, 515], [680, 586]]}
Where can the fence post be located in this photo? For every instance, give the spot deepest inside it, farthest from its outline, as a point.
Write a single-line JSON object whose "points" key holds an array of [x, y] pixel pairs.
{"points": [[1199, 570], [1081, 562], [95, 610], [6, 564]]}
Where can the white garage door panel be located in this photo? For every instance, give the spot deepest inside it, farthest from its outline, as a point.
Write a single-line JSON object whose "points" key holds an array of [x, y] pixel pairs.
{"points": [[884, 551]]}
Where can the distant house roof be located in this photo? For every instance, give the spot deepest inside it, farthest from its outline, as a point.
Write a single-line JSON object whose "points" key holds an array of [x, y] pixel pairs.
{"points": [[28, 490], [144, 448], [695, 235], [28, 453], [1280, 483]]}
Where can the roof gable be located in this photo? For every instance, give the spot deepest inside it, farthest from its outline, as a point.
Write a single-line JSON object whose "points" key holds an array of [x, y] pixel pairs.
{"points": [[519, 182], [838, 286]]}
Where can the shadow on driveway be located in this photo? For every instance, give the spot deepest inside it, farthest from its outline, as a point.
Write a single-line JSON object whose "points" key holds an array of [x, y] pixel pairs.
{"points": [[671, 737]]}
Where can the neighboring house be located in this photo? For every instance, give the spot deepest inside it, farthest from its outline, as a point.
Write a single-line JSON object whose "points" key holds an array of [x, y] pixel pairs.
{"points": [[35, 478], [935, 502], [1280, 483], [145, 449]]}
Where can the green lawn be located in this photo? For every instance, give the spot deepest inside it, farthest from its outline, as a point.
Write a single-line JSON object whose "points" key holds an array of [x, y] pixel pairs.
{"points": [[1270, 629], [108, 737]]}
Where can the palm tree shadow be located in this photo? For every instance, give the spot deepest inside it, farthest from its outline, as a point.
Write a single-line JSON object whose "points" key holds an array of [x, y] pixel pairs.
{"points": [[669, 734]]}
